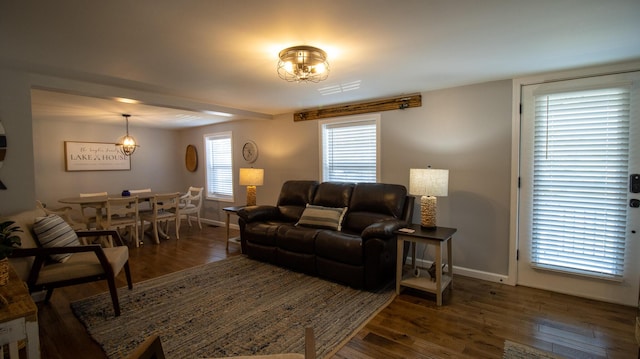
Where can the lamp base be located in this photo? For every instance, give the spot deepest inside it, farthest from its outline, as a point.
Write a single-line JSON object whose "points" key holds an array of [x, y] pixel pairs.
{"points": [[251, 195], [428, 205]]}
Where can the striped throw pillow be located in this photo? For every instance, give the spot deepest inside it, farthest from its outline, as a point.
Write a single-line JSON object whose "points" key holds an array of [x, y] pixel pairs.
{"points": [[53, 231], [322, 217]]}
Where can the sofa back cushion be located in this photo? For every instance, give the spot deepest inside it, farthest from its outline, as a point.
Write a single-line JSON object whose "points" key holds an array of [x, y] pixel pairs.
{"points": [[333, 194], [373, 202], [294, 197]]}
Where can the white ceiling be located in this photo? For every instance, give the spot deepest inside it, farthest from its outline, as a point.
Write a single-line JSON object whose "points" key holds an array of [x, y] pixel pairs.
{"points": [[223, 53]]}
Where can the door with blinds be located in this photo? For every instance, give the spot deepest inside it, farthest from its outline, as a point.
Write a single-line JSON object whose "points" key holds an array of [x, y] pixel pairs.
{"points": [[580, 145]]}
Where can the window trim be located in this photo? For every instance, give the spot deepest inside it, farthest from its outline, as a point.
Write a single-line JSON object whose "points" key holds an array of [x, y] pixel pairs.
{"points": [[372, 117], [206, 137]]}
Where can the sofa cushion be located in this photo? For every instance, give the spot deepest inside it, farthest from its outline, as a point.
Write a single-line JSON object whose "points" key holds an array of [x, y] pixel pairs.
{"points": [[322, 217], [382, 198], [333, 194], [296, 239], [53, 231], [294, 196], [263, 233], [340, 247], [374, 202]]}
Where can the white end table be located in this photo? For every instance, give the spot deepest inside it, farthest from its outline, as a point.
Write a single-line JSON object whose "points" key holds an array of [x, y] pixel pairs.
{"points": [[436, 237]]}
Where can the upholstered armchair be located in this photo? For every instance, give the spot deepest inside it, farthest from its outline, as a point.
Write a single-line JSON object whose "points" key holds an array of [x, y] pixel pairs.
{"points": [[46, 266]]}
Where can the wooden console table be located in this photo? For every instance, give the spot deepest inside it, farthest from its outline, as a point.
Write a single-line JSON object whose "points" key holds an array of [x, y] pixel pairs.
{"points": [[19, 318]]}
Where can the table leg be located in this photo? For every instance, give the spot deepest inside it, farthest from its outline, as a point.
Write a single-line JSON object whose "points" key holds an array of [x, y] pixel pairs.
{"points": [[227, 224], [413, 245], [399, 251], [438, 274], [450, 263]]}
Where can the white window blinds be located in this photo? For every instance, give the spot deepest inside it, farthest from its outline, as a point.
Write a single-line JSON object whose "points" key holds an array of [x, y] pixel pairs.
{"points": [[581, 151], [350, 151], [219, 166]]}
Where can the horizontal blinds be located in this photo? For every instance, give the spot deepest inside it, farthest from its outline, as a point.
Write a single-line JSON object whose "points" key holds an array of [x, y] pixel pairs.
{"points": [[350, 152], [580, 182], [219, 167]]}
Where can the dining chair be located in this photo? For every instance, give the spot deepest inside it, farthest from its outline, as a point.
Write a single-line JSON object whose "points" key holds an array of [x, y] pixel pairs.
{"points": [[191, 203], [122, 212], [146, 205], [89, 214], [164, 208], [64, 213]]}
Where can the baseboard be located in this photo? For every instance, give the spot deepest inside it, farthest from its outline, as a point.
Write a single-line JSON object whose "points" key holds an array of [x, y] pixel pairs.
{"points": [[220, 223], [471, 273]]}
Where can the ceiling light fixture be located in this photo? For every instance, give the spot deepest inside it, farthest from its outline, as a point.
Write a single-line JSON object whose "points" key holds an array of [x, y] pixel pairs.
{"points": [[127, 144], [302, 64]]}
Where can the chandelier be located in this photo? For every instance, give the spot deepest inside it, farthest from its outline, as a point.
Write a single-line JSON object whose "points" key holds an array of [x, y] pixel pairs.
{"points": [[127, 144], [302, 64]]}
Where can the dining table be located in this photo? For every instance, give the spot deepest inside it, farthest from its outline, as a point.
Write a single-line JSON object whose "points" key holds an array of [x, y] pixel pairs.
{"points": [[100, 202]]}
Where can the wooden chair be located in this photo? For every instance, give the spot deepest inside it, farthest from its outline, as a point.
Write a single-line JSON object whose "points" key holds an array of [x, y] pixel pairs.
{"points": [[149, 349], [165, 208], [88, 212], [122, 212], [64, 212], [145, 206], [191, 203], [87, 263]]}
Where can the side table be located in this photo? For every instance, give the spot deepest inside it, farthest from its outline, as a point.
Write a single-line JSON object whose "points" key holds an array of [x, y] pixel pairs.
{"points": [[19, 318], [229, 211], [436, 237]]}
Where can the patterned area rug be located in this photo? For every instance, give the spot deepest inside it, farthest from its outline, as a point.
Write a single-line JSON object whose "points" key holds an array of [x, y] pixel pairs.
{"points": [[520, 351], [236, 306]]}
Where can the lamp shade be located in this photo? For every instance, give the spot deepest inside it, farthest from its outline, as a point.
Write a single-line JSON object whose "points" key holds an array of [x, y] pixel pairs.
{"points": [[251, 176], [429, 182]]}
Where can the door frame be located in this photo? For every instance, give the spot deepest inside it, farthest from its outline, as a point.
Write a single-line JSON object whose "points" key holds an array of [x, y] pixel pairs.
{"points": [[516, 100]]}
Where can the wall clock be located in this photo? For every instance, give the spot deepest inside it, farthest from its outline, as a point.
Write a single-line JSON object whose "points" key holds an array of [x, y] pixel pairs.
{"points": [[250, 151], [191, 158]]}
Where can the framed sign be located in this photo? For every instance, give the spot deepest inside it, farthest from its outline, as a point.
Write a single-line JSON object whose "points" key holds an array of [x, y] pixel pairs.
{"points": [[94, 156]]}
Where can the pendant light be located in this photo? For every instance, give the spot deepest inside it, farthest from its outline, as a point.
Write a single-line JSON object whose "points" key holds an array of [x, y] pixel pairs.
{"points": [[127, 144]]}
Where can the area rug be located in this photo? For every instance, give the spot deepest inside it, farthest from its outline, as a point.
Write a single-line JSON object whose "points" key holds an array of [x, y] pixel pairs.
{"points": [[520, 351], [236, 306]]}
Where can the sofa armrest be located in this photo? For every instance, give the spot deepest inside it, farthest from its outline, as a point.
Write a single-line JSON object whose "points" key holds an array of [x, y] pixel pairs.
{"points": [[383, 229], [259, 213]]}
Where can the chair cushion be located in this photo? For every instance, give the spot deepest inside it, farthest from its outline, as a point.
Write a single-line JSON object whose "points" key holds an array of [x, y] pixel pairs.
{"points": [[84, 264], [322, 217], [53, 231]]}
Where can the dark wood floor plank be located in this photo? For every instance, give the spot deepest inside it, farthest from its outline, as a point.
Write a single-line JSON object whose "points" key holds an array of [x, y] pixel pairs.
{"points": [[475, 320]]}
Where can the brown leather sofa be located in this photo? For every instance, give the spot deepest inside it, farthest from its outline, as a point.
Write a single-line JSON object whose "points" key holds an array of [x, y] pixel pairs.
{"points": [[362, 254]]}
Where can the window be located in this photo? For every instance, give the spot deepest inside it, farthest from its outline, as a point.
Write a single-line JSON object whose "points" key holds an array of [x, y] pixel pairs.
{"points": [[581, 150], [219, 166], [350, 149]]}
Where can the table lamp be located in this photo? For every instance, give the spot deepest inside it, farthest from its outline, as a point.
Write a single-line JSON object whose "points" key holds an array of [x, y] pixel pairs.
{"points": [[428, 183], [251, 177]]}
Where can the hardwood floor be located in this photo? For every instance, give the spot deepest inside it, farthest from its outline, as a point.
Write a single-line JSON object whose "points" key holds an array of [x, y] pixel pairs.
{"points": [[475, 320]]}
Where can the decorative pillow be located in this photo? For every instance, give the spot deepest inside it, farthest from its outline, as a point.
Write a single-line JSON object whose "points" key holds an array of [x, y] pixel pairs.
{"points": [[53, 231], [322, 217]]}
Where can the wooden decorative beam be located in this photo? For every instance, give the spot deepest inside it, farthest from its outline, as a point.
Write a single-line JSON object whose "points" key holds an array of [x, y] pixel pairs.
{"points": [[396, 103]]}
